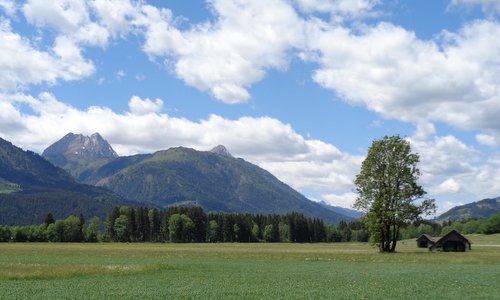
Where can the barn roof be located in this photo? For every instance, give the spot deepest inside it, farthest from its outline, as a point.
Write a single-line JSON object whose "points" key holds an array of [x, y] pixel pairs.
{"points": [[428, 237], [452, 235]]}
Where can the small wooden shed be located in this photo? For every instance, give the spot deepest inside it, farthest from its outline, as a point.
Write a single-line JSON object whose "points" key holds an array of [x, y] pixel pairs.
{"points": [[425, 241], [453, 241]]}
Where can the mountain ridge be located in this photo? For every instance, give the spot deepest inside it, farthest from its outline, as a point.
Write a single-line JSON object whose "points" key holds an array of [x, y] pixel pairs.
{"points": [[213, 179], [32, 187], [79, 145], [481, 209]]}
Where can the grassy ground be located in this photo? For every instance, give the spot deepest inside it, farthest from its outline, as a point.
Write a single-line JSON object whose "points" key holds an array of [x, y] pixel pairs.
{"points": [[247, 271]]}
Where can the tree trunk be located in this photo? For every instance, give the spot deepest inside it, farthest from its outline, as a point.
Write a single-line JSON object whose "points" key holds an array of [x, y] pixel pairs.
{"points": [[388, 238], [381, 241], [395, 239]]}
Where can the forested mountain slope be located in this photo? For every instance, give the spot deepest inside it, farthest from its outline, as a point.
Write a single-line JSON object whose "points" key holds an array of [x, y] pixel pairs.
{"points": [[214, 180], [30, 187], [479, 210]]}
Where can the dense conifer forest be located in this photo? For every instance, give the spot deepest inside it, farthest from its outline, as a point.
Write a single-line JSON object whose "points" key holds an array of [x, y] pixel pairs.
{"points": [[193, 225]]}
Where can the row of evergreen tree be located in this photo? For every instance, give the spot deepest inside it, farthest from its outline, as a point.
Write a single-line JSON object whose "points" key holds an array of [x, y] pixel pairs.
{"points": [[185, 224], [192, 224]]}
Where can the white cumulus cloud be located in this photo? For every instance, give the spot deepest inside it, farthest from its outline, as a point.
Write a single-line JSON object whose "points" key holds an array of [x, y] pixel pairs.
{"points": [[487, 140], [226, 56], [338, 8], [23, 64], [387, 69], [489, 7], [8, 6], [138, 106], [61, 15], [345, 200]]}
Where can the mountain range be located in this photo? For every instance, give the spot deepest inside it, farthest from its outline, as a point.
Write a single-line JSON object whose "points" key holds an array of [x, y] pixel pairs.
{"points": [[214, 180], [476, 210], [30, 187], [83, 174]]}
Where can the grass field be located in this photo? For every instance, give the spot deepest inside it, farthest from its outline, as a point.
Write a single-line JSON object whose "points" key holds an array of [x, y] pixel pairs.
{"points": [[247, 271]]}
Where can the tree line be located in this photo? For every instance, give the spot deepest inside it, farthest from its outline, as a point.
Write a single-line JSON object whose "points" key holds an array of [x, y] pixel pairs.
{"points": [[192, 224], [490, 225], [71, 229], [183, 225]]}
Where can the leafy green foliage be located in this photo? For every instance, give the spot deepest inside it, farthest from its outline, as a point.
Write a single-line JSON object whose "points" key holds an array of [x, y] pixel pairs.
{"points": [[492, 225], [181, 228], [92, 234], [387, 189], [121, 228], [72, 229]]}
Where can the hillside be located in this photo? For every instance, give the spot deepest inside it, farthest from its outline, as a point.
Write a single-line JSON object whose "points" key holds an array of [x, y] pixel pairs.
{"points": [[481, 210], [213, 179], [30, 187], [217, 182]]}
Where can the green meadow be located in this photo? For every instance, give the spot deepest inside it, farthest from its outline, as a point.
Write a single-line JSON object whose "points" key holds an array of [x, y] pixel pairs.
{"points": [[247, 271]]}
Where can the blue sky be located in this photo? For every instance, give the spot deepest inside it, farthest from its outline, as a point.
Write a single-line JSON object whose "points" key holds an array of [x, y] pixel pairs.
{"points": [[299, 87]]}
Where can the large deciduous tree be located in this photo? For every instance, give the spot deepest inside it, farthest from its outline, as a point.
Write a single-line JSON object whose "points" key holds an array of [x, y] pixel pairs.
{"points": [[388, 190]]}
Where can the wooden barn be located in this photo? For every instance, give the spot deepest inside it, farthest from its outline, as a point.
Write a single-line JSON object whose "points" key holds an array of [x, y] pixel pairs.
{"points": [[453, 241], [425, 241]]}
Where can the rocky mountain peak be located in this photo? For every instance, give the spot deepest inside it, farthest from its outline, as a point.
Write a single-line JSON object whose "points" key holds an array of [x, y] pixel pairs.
{"points": [[79, 145], [221, 150]]}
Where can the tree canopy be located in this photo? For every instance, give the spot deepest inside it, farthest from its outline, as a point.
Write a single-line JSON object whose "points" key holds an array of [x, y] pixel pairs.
{"points": [[387, 190]]}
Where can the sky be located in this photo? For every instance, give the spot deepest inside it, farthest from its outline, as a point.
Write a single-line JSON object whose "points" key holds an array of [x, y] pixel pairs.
{"points": [[299, 87]]}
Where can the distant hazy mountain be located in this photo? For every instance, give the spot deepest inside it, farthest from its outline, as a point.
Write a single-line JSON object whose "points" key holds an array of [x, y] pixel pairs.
{"points": [[30, 187], [342, 210], [480, 209], [212, 179]]}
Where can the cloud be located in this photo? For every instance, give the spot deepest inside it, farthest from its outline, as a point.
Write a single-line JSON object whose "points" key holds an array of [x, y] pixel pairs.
{"points": [[71, 60], [489, 7], [425, 130], [449, 186], [62, 15], [138, 106], [340, 9], [120, 74], [442, 156], [71, 20], [117, 16], [226, 56], [22, 64], [387, 69], [8, 6], [486, 140], [346, 200]]}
